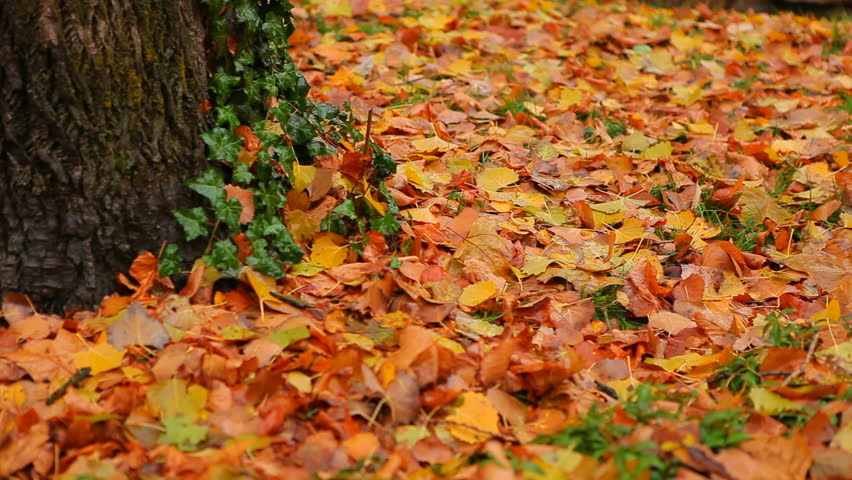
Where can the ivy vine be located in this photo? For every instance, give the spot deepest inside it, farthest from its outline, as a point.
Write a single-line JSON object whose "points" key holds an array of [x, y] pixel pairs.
{"points": [[265, 128]]}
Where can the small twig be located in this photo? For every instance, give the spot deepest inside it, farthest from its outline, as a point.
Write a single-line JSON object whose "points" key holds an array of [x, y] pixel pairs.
{"points": [[74, 381], [296, 302], [798, 371]]}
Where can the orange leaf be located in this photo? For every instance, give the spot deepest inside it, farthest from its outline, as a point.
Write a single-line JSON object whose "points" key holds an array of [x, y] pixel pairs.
{"points": [[246, 199]]}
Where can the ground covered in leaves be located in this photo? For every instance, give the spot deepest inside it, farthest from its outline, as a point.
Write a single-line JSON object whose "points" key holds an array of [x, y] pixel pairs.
{"points": [[624, 254]]}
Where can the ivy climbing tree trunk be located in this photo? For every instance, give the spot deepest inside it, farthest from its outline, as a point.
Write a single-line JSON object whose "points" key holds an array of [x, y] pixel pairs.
{"points": [[99, 130]]}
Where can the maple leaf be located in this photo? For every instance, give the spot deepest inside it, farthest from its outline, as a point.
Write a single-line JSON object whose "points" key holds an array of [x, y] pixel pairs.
{"points": [[136, 327]]}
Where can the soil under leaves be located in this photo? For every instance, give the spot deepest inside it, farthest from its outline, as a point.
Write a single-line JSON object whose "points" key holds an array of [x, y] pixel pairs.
{"points": [[624, 255]]}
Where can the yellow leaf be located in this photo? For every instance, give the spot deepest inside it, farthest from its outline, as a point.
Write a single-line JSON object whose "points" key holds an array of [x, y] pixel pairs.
{"points": [[270, 126], [460, 67], [459, 164], [688, 95], [335, 8], [662, 150], [674, 364], [624, 386], [680, 220], [789, 146], [701, 128], [12, 395], [173, 397], [476, 411], [100, 358], [420, 215], [476, 327], [684, 363], [771, 403], [327, 252], [432, 21], [417, 177], [758, 204], [743, 132], [362, 341], [636, 141], [839, 355], [263, 285], [630, 230], [555, 464], [535, 264], [495, 178], [135, 374], [432, 144], [568, 97], [377, 205], [450, 345], [613, 206], [843, 438], [474, 294], [684, 42], [303, 175], [306, 269], [661, 59], [830, 314], [299, 381]]}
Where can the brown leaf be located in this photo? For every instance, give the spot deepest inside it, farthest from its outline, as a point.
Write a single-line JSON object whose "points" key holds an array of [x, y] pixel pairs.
{"points": [[403, 396], [495, 364], [412, 342], [638, 288], [136, 327]]}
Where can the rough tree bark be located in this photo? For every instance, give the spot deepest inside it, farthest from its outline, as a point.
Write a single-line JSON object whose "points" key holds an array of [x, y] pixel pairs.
{"points": [[99, 129]]}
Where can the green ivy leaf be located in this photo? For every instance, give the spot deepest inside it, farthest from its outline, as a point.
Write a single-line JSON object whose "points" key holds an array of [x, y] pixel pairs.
{"points": [[182, 433], [170, 262], [288, 249], [291, 335], [244, 60], [299, 130], [387, 224], [193, 221], [392, 205], [246, 12], [222, 85], [262, 261], [281, 113], [242, 174], [274, 28], [227, 115], [270, 197], [346, 209], [316, 149], [383, 163], [224, 257], [224, 145], [210, 184], [229, 212], [324, 111]]}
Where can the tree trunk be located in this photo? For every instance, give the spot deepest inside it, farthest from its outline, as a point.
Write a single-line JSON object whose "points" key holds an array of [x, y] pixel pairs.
{"points": [[100, 129]]}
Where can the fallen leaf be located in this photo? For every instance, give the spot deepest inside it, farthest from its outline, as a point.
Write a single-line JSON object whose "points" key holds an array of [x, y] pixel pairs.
{"points": [[136, 327], [475, 420]]}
